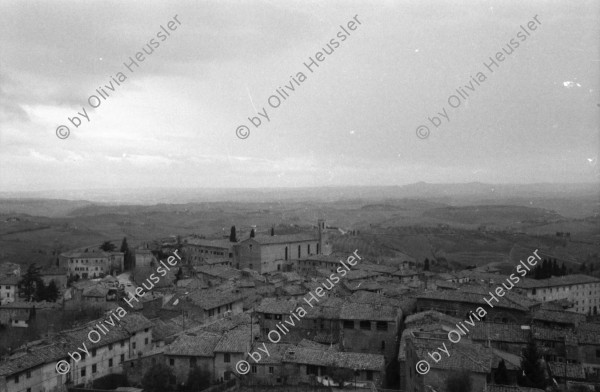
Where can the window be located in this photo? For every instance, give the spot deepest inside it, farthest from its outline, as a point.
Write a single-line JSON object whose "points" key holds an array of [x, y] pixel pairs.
{"points": [[348, 324], [146, 341], [146, 329], [254, 369], [110, 362], [28, 374], [267, 316], [133, 345], [366, 325], [110, 346], [16, 378], [122, 358], [277, 317], [227, 358], [382, 326], [383, 344], [83, 372], [172, 361], [93, 368], [286, 253], [93, 352], [369, 375], [271, 369], [308, 247], [123, 343], [298, 251], [193, 362]]}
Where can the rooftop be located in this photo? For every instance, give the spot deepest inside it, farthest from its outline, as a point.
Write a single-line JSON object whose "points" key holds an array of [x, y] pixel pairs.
{"points": [[348, 360], [284, 239]]}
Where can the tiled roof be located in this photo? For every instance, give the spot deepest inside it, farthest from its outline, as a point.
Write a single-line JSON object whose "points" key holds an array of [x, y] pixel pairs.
{"points": [[222, 243], [276, 352], [134, 322], [36, 356], [9, 280], [430, 316], [383, 269], [277, 306], [464, 356], [284, 239], [497, 332], [237, 340], [588, 333], [562, 317], [512, 361], [95, 291], [348, 360], [360, 274], [213, 298], [367, 297], [358, 311], [567, 280], [574, 370], [229, 323], [219, 271], [510, 300], [201, 345]]}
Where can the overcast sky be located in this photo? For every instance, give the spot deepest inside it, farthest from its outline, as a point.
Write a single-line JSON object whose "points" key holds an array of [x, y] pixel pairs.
{"points": [[172, 122]]}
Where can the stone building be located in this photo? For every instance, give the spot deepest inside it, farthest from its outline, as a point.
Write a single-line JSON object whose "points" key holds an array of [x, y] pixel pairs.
{"points": [[271, 253]]}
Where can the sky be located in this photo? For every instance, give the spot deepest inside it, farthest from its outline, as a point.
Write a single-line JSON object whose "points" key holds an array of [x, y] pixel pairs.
{"points": [[352, 120]]}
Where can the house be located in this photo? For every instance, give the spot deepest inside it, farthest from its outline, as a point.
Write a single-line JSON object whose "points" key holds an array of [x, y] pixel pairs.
{"points": [[33, 369], [271, 253], [582, 290], [232, 347], [301, 363], [144, 258], [205, 305], [56, 274], [198, 251], [9, 285], [192, 350], [467, 356], [131, 337], [92, 263]]}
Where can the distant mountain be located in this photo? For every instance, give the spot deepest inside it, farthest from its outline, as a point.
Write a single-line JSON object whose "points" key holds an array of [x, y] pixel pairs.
{"points": [[577, 200]]}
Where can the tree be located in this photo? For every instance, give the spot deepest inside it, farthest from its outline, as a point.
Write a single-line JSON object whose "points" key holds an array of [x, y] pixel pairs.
{"points": [[459, 382], [108, 246], [532, 374], [51, 292], [232, 235], [426, 265], [158, 378], [555, 269], [501, 376], [340, 375], [32, 283], [198, 379], [252, 233]]}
